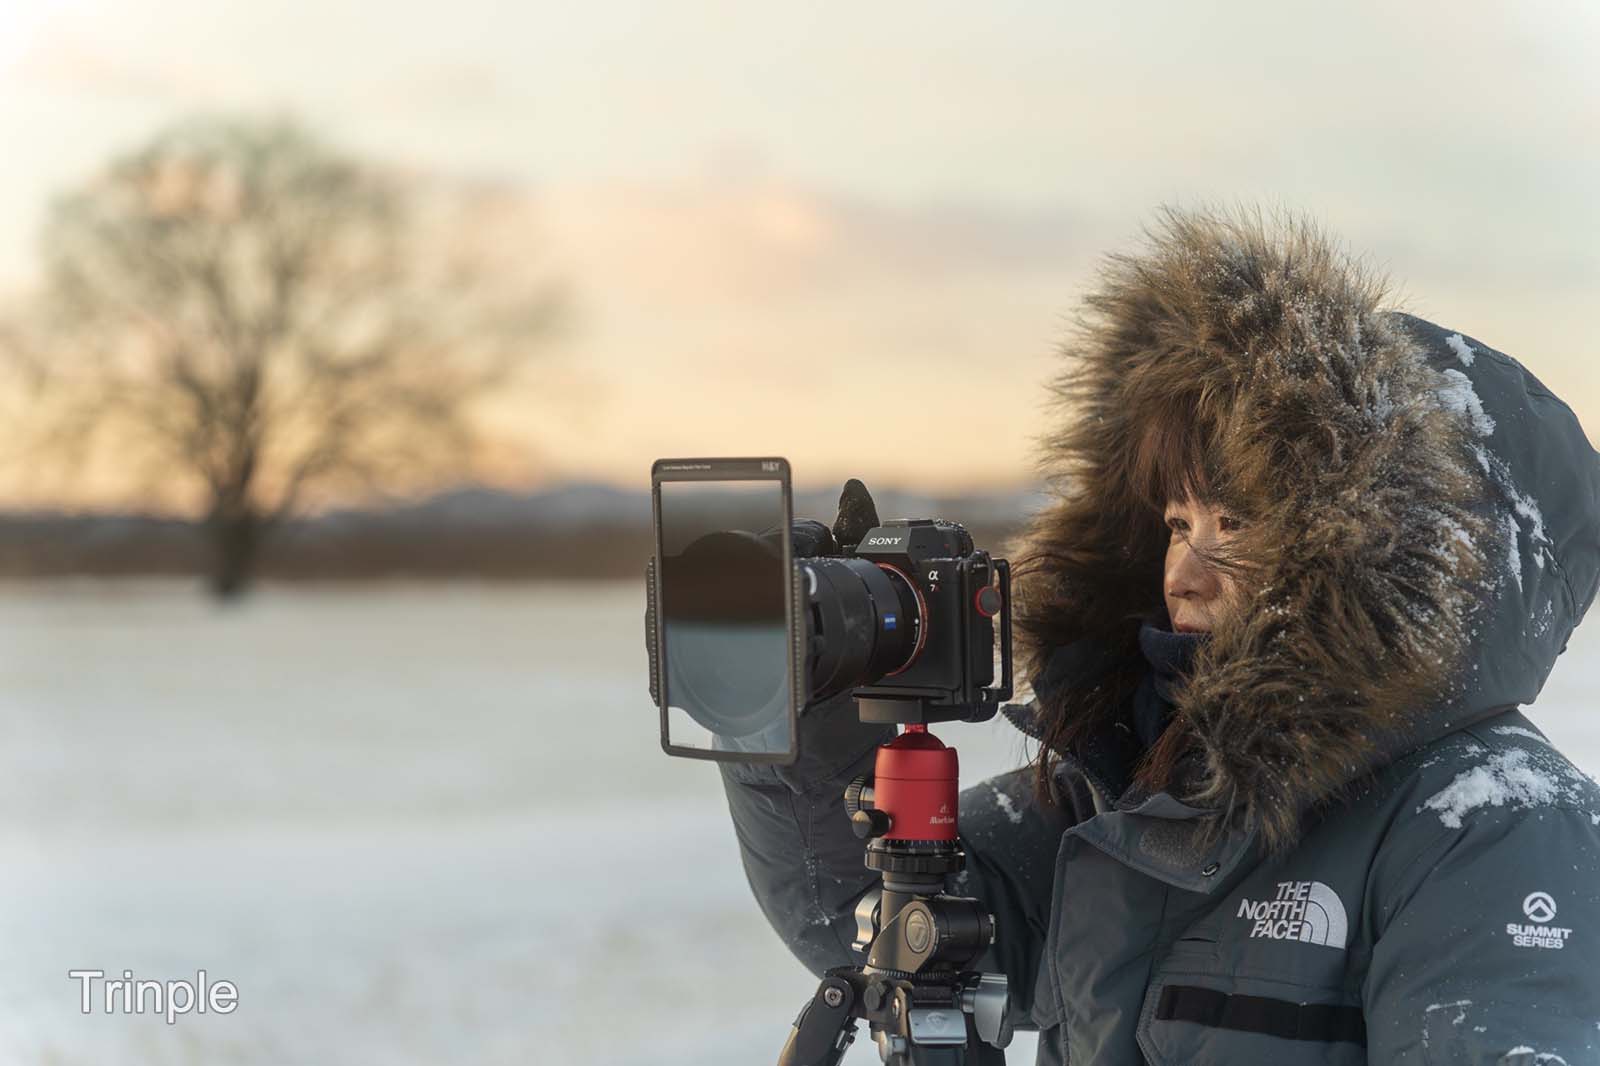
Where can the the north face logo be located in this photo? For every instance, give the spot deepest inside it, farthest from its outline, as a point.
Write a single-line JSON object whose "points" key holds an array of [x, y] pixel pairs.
{"points": [[1308, 911]]}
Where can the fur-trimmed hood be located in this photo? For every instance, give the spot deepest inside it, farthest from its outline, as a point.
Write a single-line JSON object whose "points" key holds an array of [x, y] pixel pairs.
{"points": [[1422, 516]]}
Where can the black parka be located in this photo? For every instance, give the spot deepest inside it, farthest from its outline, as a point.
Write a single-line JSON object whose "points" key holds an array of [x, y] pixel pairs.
{"points": [[1370, 854]]}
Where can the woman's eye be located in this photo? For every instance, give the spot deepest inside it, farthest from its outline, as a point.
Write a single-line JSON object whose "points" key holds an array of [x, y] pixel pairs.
{"points": [[1177, 525]]}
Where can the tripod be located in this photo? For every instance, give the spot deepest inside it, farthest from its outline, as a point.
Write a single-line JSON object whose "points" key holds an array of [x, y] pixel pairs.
{"points": [[921, 1004]]}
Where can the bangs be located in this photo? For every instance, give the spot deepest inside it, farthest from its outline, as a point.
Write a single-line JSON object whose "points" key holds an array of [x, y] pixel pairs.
{"points": [[1176, 458]]}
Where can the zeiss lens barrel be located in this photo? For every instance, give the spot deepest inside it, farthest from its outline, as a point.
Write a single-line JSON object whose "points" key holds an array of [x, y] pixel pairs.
{"points": [[866, 620]]}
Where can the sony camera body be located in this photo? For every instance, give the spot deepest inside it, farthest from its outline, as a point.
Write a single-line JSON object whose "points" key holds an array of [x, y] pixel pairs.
{"points": [[934, 605]]}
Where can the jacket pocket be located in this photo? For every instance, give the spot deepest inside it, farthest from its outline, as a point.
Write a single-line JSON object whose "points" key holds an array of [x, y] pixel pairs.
{"points": [[1192, 951], [1194, 1015]]}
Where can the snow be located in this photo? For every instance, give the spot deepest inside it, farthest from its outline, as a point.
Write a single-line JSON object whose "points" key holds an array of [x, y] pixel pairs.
{"points": [[1512, 533], [1463, 350], [1460, 1006], [1528, 508], [1382, 406], [1006, 805], [415, 823], [1510, 778], [1519, 504], [1458, 395], [1457, 531], [1540, 1058], [1517, 731], [1543, 620]]}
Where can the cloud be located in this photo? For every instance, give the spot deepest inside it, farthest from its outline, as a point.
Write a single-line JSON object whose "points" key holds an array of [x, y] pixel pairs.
{"points": [[731, 314], [711, 241], [446, 89], [64, 58]]}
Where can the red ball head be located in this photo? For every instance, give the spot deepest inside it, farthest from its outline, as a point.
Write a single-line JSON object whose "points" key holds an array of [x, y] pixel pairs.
{"points": [[914, 781]]}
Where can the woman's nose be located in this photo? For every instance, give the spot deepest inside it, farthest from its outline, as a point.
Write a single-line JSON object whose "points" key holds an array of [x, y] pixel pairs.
{"points": [[1189, 577]]}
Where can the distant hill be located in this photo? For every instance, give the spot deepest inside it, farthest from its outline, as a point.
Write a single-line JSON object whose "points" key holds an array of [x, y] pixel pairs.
{"points": [[576, 530]]}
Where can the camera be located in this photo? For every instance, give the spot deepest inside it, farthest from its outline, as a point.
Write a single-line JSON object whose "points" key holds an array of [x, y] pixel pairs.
{"points": [[909, 613], [743, 633]]}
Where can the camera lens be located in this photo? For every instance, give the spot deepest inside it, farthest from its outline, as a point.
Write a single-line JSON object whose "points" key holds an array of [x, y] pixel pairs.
{"points": [[867, 623]]}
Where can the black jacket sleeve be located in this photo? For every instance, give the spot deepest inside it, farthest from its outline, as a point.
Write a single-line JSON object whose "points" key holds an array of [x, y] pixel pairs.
{"points": [[1487, 943], [804, 864]]}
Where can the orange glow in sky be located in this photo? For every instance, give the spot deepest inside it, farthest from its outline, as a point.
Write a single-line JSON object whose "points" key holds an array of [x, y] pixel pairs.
{"points": [[853, 239]]}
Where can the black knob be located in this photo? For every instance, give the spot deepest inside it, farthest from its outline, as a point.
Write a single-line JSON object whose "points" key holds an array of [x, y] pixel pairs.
{"points": [[870, 822], [875, 995]]}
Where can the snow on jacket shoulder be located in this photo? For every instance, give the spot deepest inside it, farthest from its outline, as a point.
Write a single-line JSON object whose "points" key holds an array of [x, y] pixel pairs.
{"points": [[1482, 910], [1367, 854]]}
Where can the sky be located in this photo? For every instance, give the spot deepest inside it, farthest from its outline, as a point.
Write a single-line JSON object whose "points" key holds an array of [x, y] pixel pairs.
{"points": [[852, 235]]}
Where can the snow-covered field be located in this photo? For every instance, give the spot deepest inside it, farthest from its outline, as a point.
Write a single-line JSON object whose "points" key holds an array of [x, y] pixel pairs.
{"points": [[412, 823]]}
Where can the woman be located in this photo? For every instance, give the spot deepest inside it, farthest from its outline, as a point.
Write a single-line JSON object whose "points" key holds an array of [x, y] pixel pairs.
{"points": [[1306, 559]]}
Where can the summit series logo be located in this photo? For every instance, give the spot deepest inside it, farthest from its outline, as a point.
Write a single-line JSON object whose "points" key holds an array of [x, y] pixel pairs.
{"points": [[1540, 910], [1308, 911]]}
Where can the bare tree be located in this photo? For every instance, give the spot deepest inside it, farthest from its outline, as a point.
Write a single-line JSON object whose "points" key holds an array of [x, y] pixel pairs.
{"points": [[265, 319]]}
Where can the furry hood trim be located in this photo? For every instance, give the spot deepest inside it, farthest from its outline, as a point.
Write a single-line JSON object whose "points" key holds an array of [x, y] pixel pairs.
{"points": [[1368, 503]]}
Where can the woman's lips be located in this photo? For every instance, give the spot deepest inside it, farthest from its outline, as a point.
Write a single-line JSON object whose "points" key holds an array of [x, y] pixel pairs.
{"points": [[1189, 629]]}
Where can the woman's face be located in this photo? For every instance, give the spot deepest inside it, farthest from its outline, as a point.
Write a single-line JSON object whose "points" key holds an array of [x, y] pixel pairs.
{"points": [[1193, 590]]}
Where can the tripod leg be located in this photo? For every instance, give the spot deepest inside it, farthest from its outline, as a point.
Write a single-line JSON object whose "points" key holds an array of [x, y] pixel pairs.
{"points": [[825, 1028]]}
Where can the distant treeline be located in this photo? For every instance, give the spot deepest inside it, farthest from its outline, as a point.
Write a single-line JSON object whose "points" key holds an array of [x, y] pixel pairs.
{"points": [[575, 532]]}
